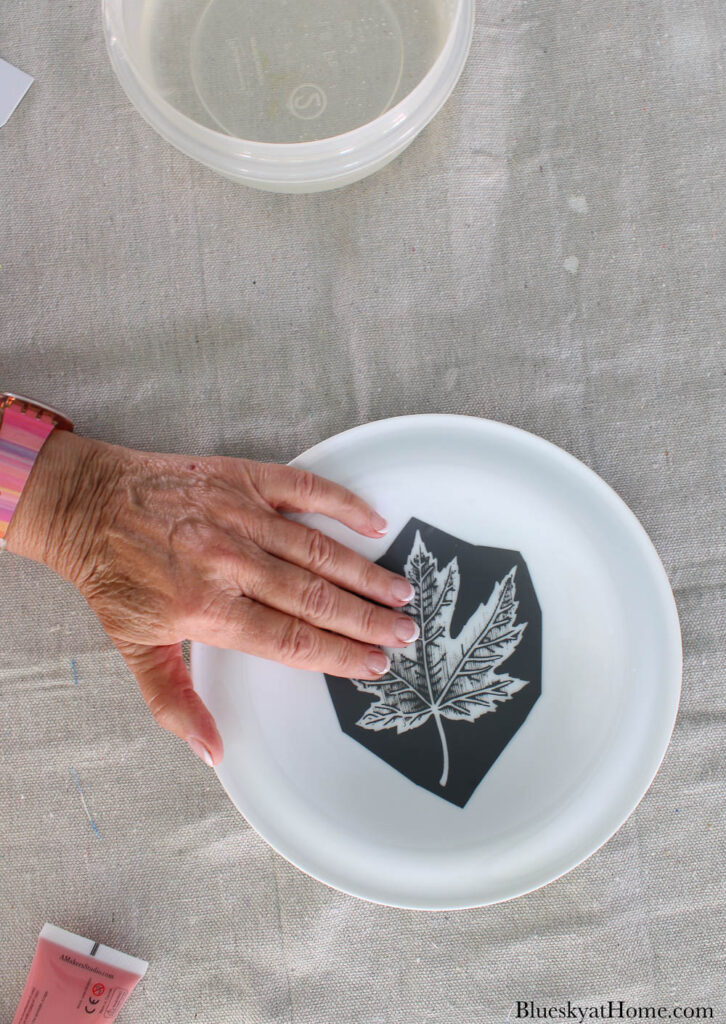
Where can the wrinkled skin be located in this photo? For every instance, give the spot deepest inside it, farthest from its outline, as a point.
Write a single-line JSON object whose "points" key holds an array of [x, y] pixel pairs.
{"points": [[168, 547]]}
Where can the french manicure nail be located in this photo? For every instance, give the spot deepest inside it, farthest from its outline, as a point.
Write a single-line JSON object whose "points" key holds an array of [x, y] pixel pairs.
{"points": [[402, 590], [406, 630], [379, 524], [200, 750], [378, 662]]}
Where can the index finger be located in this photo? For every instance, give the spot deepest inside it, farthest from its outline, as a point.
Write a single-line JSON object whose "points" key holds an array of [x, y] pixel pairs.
{"points": [[289, 489]]}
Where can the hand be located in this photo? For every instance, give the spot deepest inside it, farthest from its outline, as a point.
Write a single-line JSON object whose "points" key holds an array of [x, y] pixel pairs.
{"points": [[168, 547]]}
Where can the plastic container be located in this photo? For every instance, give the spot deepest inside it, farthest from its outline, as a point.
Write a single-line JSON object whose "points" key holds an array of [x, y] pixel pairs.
{"points": [[289, 95]]}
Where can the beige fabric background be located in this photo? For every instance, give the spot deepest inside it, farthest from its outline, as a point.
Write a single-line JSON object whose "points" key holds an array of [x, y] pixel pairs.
{"points": [[549, 253]]}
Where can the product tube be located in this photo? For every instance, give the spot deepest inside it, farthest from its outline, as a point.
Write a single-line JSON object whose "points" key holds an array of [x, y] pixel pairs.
{"points": [[73, 979]]}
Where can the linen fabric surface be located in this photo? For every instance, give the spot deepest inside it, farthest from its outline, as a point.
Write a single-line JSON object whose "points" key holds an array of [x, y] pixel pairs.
{"points": [[549, 253]]}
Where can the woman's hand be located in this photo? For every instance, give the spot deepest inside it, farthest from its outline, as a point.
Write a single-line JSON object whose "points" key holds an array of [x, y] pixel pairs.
{"points": [[167, 547]]}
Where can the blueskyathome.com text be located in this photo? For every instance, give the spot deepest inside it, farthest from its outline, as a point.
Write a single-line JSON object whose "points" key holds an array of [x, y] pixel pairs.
{"points": [[613, 1009]]}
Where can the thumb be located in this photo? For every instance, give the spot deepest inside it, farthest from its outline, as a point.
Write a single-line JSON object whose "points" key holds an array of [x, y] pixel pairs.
{"points": [[167, 688]]}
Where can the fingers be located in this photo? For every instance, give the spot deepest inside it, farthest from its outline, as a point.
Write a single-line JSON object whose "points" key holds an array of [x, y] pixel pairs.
{"points": [[296, 490], [288, 588], [268, 633], [167, 689], [319, 554]]}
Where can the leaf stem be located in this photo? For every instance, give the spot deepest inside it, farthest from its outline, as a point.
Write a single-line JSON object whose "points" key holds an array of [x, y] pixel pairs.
{"points": [[444, 747]]}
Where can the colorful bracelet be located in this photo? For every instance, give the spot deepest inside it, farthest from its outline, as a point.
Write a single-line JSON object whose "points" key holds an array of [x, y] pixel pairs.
{"points": [[24, 428]]}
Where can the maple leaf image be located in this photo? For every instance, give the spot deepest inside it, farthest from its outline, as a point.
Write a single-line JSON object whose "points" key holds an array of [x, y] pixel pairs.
{"points": [[447, 677]]}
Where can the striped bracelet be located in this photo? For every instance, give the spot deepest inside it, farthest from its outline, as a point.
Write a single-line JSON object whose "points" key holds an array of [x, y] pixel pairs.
{"points": [[24, 428]]}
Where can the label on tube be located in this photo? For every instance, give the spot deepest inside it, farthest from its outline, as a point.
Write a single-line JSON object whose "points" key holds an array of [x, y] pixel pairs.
{"points": [[73, 979]]}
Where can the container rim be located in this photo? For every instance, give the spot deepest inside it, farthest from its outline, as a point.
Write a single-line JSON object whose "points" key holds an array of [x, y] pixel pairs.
{"points": [[297, 161]]}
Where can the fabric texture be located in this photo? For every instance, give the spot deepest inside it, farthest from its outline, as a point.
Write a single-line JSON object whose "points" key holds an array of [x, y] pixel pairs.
{"points": [[549, 253]]}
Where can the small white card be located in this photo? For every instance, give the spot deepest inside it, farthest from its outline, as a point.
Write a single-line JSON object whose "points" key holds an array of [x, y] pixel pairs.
{"points": [[13, 86]]}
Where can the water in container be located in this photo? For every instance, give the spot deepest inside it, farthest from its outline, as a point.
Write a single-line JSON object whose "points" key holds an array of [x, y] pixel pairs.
{"points": [[288, 70]]}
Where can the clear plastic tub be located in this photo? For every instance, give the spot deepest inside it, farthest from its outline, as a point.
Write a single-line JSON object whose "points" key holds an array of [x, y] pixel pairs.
{"points": [[289, 95]]}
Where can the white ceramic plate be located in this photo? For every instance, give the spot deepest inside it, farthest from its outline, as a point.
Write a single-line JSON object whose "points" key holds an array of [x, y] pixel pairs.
{"points": [[585, 754]]}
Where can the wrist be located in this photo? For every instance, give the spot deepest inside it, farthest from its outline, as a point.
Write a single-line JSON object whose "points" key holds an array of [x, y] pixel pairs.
{"points": [[61, 510]]}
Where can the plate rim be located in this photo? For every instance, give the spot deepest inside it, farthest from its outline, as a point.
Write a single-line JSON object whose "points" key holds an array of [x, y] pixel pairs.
{"points": [[672, 684]]}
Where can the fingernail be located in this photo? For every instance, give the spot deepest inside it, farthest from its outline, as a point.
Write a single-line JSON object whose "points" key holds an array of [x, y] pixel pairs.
{"points": [[378, 662], [406, 630], [201, 751], [379, 524], [402, 590]]}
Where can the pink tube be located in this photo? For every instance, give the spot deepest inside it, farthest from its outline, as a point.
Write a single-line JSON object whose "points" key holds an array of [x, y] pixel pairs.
{"points": [[73, 979]]}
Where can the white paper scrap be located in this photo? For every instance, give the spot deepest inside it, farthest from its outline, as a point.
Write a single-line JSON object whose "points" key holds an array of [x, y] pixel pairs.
{"points": [[13, 86]]}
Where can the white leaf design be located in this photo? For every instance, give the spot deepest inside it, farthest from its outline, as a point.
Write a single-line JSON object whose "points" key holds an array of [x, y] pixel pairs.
{"points": [[447, 678]]}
